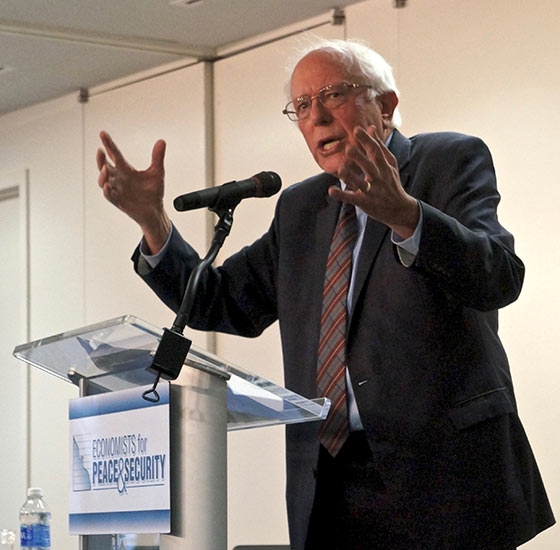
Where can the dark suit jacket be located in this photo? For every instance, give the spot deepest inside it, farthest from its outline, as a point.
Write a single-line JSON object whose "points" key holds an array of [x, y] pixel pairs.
{"points": [[430, 376]]}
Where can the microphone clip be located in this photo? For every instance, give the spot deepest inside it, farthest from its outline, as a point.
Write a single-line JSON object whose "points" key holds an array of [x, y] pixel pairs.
{"points": [[168, 360], [225, 201]]}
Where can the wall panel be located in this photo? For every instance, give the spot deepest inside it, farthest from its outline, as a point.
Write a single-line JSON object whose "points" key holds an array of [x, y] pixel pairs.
{"points": [[13, 328], [170, 107], [490, 69], [45, 139]]}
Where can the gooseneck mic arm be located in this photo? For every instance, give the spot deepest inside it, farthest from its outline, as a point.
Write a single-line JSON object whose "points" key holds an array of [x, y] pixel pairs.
{"points": [[221, 231], [173, 347]]}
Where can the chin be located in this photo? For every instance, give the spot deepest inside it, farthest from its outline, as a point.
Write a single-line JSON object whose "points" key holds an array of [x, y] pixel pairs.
{"points": [[331, 167]]}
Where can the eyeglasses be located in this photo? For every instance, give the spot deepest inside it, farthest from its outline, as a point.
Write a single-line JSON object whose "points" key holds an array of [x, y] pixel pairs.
{"points": [[331, 96]]}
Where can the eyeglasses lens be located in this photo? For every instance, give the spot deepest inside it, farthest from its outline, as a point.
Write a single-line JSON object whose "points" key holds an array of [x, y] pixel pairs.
{"points": [[331, 96]]}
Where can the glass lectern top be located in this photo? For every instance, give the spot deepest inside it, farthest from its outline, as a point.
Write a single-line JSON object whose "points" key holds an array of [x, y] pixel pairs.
{"points": [[115, 355]]}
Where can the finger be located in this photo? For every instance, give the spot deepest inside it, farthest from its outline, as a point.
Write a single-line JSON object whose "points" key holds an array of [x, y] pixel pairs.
{"points": [[108, 192], [366, 187], [111, 193], [360, 190], [372, 131], [357, 184], [112, 150], [343, 196], [158, 154], [100, 158], [366, 167], [380, 146], [103, 176], [377, 152], [368, 140], [358, 199], [350, 173]]}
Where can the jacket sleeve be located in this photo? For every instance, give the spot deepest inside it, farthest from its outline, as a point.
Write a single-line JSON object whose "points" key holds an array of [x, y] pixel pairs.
{"points": [[238, 297], [463, 246]]}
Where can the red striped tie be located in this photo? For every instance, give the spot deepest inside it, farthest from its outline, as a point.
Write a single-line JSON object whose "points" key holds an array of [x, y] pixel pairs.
{"points": [[331, 380]]}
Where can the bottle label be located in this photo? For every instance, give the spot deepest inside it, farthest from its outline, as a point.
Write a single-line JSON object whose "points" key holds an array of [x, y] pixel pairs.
{"points": [[33, 536]]}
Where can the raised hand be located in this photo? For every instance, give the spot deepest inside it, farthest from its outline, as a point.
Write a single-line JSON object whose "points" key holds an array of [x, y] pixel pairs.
{"points": [[138, 193], [373, 184]]}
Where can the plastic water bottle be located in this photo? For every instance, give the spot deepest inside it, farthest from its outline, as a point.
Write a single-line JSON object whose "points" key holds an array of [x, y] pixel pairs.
{"points": [[34, 520]]}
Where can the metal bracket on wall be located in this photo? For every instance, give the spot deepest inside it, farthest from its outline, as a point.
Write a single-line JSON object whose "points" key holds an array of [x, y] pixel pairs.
{"points": [[83, 97], [338, 17]]}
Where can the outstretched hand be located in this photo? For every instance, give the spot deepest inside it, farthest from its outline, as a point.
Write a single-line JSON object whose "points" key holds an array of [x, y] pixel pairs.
{"points": [[371, 175], [138, 193]]}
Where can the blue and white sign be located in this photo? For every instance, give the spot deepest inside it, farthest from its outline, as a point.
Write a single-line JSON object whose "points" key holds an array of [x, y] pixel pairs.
{"points": [[119, 463]]}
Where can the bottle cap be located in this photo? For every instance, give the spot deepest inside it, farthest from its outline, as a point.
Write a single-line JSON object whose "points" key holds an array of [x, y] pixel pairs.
{"points": [[34, 492], [7, 538]]}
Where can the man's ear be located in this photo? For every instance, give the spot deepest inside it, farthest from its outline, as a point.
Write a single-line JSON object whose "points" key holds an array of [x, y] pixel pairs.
{"points": [[388, 102]]}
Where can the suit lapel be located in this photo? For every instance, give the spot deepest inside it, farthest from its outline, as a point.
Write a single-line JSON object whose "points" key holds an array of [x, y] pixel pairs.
{"points": [[327, 211], [324, 211], [401, 147], [374, 234]]}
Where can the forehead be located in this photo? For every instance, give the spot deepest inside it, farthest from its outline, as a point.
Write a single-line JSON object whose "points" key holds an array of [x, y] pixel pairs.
{"points": [[318, 69]]}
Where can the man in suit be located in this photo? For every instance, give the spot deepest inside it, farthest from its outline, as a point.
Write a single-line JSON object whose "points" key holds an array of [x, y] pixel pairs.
{"points": [[423, 447]]}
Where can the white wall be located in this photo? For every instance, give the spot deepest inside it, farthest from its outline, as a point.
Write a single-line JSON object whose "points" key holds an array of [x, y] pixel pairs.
{"points": [[484, 68], [491, 69], [169, 107], [14, 375], [46, 140]]}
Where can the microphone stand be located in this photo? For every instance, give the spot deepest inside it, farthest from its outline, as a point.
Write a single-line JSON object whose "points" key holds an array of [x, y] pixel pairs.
{"points": [[172, 350]]}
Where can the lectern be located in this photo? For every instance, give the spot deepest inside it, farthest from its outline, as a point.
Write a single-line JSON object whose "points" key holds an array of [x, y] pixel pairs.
{"points": [[210, 397]]}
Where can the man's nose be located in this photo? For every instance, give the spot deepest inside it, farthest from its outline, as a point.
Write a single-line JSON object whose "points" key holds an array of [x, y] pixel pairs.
{"points": [[319, 113]]}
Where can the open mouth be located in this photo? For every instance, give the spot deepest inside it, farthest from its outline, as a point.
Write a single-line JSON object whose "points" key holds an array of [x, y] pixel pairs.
{"points": [[329, 144]]}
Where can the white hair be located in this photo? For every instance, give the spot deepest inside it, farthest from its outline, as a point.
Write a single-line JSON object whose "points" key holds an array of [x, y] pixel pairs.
{"points": [[361, 59]]}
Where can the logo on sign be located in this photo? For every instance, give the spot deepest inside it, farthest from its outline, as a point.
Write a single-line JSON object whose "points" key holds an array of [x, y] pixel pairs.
{"points": [[115, 462]]}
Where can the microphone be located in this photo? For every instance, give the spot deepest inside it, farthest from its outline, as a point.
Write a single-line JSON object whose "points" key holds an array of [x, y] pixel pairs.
{"points": [[263, 184]]}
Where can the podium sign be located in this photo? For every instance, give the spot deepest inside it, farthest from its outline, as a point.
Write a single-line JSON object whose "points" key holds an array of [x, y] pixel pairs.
{"points": [[119, 461]]}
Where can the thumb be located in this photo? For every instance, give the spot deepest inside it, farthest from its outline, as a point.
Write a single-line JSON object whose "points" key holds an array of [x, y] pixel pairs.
{"points": [[158, 154]]}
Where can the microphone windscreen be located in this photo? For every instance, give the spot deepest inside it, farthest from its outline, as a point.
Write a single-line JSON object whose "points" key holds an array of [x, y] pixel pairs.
{"points": [[268, 184]]}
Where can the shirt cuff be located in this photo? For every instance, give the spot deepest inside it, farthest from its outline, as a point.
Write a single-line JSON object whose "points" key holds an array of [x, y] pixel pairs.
{"points": [[153, 259], [407, 249]]}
